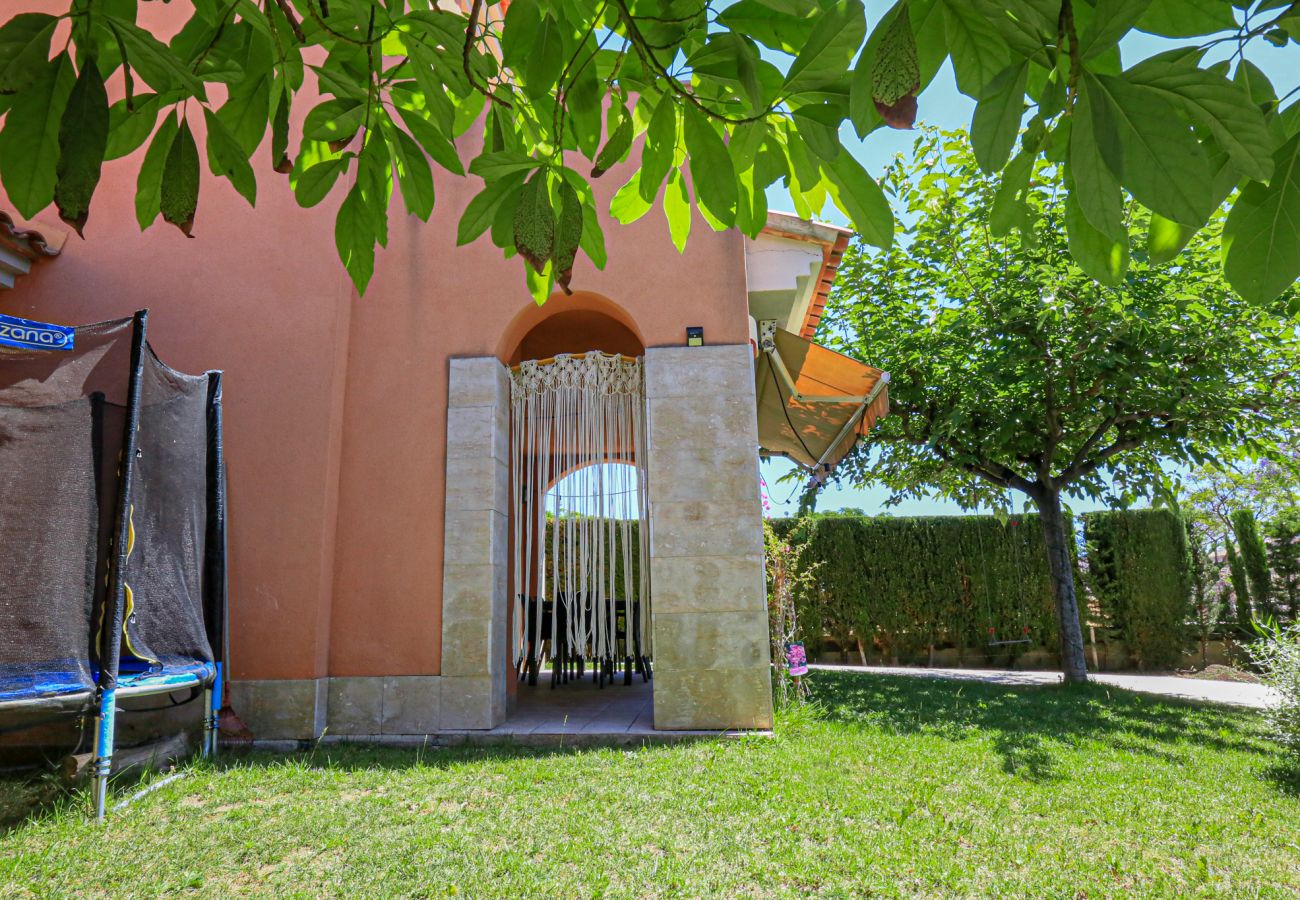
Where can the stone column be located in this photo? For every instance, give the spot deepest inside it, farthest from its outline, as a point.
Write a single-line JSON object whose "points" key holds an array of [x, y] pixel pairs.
{"points": [[712, 661], [475, 554]]}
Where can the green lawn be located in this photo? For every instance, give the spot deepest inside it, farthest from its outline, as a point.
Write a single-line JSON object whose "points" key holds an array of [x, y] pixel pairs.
{"points": [[900, 786]]}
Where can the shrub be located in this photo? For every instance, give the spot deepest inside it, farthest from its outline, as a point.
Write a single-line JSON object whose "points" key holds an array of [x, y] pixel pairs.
{"points": [[1254, 557], [907, 584], [1277, 653], [1139, 571]]}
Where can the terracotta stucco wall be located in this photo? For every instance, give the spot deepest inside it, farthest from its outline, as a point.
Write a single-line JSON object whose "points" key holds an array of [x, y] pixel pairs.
{"points": [[336, 406], [431, 301]]}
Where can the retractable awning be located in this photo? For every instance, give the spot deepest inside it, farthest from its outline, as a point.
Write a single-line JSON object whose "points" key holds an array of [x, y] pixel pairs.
{"points": [[813, 403]]}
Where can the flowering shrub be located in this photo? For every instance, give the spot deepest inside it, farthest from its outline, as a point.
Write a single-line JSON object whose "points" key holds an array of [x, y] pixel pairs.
{"points": [[1277, 653]]}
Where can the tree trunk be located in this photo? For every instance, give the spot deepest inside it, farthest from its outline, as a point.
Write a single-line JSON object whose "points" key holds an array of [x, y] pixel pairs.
{"points": [[1073, 663]]}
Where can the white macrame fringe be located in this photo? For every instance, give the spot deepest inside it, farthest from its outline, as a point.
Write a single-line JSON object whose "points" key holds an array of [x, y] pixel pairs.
{"points": [[570, 415]]}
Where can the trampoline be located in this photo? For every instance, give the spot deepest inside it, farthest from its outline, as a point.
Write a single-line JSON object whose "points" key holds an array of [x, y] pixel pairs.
{"points": [[112, 520]]}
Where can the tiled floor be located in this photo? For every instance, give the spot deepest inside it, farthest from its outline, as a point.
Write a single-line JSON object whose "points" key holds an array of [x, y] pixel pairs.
{"points": [[577, 714], [580, 707]]}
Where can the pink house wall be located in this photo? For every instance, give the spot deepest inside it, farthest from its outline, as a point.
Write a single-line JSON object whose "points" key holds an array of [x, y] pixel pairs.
{"points": [[336, 405]]}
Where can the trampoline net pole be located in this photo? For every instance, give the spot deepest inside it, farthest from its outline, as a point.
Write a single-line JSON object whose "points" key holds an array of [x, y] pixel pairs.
{"points": [[111, 637]]}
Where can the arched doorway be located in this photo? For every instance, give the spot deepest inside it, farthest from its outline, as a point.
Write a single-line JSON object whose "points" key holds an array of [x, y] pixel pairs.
{"points": [[580, 592]]}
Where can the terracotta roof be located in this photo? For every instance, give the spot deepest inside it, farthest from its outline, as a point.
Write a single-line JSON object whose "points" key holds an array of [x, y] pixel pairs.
{"points": [[833, 239], [22, 244]]}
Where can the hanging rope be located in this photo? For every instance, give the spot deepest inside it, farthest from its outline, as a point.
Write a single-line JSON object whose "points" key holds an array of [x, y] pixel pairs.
{"points": [[572, 417]]}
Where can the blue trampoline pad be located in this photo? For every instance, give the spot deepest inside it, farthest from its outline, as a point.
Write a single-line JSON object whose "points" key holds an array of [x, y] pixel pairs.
{"points": [[180, 673], [39, 681], [65, 679]]}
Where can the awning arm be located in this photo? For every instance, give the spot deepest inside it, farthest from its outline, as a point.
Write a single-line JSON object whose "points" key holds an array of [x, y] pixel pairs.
{"points": [[767, 342], [853, 421]]}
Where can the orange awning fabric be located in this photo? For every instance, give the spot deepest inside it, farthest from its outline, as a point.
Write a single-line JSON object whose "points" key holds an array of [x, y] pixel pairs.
{"points": [[814, 404]]}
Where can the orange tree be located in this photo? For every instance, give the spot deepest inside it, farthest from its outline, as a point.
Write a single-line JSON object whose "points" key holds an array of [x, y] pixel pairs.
{"points": [[1014, 370], [731, 97]]}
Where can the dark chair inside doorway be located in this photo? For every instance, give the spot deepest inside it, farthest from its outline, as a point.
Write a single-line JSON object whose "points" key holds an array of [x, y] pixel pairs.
{"points": [[569, 653]]}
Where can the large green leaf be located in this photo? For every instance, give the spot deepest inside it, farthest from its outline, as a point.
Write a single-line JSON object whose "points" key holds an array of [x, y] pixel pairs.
{"points": [[440, 148], [593, 238], [628, 203], [1111, 20], [660, 147], [128, 128], [1166, 238], [154, 61], [997, 117], [316, 181], [1094, 187], [1102, 257], [978, 51], [535, 221], [1261, 238], [818, 125], [712, 172], [24, 49], [775, 28], [83, 135], [280, 133], [582, 98], [1009, 208], [1220, 105], [336, 120], [858, 196], [615, 149], [413, 173], [481, 210], [732, 58], [246, 113], [825, 56], [519, 33], [1187, 18], [1164, 166], [568, 235], [29, 143], [179, 194], [677, 209], [227, 159], [354, 238], [490, 166], [148, 187], [375, 178], [545, 60]]}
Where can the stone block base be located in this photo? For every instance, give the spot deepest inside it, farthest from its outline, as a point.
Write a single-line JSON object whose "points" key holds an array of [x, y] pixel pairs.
{"points": [[292, 709], [713, 699], [365, 706]]}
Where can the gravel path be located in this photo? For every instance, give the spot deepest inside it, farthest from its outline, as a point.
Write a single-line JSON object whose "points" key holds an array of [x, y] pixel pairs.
{"points": [[1231, 692]]}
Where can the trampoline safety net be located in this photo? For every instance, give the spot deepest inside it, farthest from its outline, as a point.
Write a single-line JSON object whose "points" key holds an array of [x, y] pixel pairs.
{"points": [[67, 484]]}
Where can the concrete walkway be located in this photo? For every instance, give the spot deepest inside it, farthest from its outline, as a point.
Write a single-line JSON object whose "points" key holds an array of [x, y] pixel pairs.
{"points": [[1234, 693]]}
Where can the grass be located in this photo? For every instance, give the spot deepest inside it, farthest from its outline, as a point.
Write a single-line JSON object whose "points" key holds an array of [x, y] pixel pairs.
{"points": [[895, 786]]}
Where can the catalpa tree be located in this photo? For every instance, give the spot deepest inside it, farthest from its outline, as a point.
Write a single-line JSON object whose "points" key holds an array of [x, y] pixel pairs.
{"points": [[736, 96]]}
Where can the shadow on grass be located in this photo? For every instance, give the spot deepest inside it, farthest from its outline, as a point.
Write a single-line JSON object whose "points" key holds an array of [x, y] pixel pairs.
{"points": [[1026, 723], [1285, 776], [37, 792]]}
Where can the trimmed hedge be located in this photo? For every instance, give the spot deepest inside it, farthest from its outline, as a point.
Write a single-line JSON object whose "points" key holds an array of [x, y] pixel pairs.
{"points": [[1140, 576], [909, 584]]}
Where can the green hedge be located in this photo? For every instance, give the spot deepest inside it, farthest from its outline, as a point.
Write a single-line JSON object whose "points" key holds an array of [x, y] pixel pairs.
{"points": [[909, 584], [1139, 574], [634, 532]]}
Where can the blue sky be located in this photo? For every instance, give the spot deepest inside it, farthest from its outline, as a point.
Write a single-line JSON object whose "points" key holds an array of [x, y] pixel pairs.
{"points": [[943, 106]]}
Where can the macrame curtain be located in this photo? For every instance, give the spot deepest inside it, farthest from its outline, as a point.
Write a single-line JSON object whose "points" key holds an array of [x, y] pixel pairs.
{"points": [[581, 578]]}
